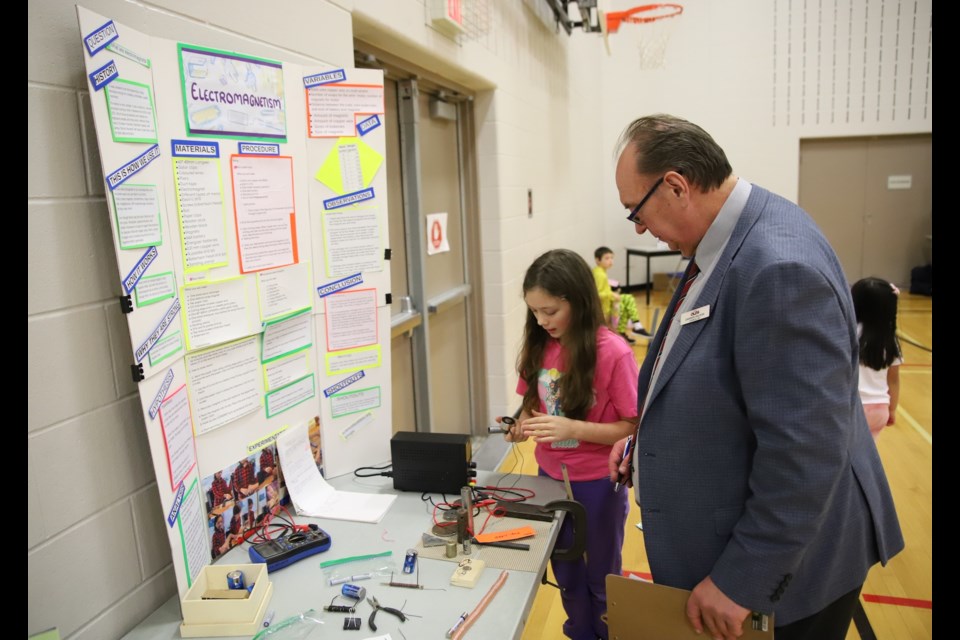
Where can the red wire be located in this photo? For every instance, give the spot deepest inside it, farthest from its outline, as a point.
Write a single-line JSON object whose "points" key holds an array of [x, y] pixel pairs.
{"points": [[267, 529], [489, 505]]}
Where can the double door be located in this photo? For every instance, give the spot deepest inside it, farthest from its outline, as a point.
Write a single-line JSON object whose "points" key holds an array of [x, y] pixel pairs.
{"points": [[872, 197], [438, 371]]}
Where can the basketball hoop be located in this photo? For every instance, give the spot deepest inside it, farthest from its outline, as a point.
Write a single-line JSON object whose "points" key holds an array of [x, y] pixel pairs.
{"points": [[652, 27]]}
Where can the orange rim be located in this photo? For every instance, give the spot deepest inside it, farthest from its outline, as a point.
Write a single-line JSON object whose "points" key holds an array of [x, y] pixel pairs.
{"points": [[614, 18]]}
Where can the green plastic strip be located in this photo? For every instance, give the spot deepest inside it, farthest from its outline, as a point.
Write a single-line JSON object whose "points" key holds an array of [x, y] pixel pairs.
{"points": [[305, 618], [331, 563]]}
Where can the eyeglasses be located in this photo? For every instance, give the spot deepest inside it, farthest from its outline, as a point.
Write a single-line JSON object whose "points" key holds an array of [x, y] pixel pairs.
{"points": [[633, 214]]}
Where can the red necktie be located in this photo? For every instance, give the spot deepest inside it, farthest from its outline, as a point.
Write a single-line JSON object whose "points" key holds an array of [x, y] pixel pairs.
{"points": [[692, 272]]}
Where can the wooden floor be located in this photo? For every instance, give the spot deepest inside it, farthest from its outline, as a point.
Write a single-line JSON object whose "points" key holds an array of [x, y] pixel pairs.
{"points": [[896, 599]]}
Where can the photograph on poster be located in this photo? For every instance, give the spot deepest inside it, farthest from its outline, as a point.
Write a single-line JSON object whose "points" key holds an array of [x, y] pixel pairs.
{"points": [[267, 465], [262, 509], [243, 482], [239, 496], [272, 499], [250, 514], [220, 539], [219, 495], [236, 528]]}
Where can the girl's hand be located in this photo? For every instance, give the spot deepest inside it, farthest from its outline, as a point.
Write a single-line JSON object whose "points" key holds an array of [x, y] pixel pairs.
{"points": [[546, 428], [512, 433]]}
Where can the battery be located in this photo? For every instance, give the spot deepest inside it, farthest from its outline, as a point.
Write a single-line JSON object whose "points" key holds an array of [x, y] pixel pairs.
{"points": [[410, 561], [235, 580], [353, 591]]}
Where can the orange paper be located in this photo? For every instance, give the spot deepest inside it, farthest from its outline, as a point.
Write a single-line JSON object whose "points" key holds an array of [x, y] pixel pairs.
{"points": [[509, 534]]}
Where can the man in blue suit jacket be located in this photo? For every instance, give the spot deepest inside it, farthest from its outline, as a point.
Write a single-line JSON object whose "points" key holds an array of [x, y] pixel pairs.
{"points": [[759, 485]]}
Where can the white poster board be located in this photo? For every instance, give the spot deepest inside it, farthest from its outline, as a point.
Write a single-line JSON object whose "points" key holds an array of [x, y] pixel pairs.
{"points": [[247, 198]]}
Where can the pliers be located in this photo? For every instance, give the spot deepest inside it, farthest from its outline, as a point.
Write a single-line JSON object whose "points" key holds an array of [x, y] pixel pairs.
{"points": [[376, 607]]}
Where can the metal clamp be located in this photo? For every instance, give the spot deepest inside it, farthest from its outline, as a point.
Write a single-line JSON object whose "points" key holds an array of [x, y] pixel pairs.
{"points": [[579, 514]]}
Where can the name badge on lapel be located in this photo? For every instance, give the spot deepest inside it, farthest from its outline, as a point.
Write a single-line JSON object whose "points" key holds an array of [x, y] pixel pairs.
{"points": [[694, 315]]}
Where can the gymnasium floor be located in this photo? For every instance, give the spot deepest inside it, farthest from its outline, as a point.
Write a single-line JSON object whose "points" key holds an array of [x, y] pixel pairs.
{"points": [[896, 602]]}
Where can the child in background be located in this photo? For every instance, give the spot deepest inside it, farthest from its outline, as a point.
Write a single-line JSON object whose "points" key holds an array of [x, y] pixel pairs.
{"points": [[579, 386], [619, 310], [875, 303], [251, 517]]}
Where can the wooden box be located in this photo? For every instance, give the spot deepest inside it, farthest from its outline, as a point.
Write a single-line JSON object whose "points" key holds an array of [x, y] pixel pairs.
{"points": [[243, 617]]}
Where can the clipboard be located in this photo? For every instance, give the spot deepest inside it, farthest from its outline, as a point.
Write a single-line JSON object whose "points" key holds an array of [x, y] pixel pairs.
{"points": [[641, 610]]}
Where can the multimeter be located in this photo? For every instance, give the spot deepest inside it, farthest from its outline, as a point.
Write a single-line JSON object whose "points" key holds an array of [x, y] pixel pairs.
{"points": [[289, 548]]}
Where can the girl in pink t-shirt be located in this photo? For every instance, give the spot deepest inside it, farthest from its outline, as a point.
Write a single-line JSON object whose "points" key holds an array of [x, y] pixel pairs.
{"points": [[579, 385]]}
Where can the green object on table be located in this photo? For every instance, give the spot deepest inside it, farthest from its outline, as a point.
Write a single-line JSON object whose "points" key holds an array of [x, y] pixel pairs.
{"points": [[332, 563], [295, 627]]}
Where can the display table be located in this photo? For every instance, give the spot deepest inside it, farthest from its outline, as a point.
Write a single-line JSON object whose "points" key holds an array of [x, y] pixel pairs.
{"points": [[646, 253], [303, 585]]}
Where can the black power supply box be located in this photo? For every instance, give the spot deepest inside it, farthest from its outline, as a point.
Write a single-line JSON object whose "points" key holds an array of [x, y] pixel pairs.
{"points": [[431, 462]]}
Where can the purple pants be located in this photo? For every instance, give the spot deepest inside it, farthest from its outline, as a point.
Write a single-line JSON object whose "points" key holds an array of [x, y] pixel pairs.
{"points": [[583, 581]]}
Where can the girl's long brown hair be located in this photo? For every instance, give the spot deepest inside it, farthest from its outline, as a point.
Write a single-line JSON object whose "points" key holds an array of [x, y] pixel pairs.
{"points": [[563, 274]]}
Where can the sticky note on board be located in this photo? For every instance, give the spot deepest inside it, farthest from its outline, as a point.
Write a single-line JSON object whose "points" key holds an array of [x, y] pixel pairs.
{"points": [[509, 534]]}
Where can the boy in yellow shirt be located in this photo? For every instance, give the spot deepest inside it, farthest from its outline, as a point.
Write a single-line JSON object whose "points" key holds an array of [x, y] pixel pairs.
{"points": [[620, 311]]}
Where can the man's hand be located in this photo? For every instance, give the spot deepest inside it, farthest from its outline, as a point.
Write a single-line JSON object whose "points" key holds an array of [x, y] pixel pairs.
{"points": [[615, 465], [709, 608]]}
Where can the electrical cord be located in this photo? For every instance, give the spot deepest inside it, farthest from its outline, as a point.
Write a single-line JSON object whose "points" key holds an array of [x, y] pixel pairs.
{"points": [[517, 456], [916, 344], [385, 470], [518, 459], [485, 499], [275, 525]]}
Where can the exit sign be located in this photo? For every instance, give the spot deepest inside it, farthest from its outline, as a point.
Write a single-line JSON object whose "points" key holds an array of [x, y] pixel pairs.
{"points": [[447, 16]]}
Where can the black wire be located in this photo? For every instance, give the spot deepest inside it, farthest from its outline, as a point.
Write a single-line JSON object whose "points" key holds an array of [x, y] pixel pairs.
{"points": [[385, 470], [517, 457], [497, 493], [271, 529], [385, 466], [916, 344], [440, 506]]}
